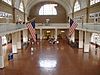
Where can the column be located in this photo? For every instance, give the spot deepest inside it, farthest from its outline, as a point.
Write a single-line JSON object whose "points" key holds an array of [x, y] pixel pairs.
{"points": [[19, 40], [1, 54], [72, 37], [14, 42], [80, 39], [87, 11], [86, 42], [25, 36], [13, 10], [55, 34], [40, 34]]}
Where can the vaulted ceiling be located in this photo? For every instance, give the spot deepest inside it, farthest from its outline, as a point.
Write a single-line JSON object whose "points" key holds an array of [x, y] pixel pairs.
{"points": [[67, 4]]}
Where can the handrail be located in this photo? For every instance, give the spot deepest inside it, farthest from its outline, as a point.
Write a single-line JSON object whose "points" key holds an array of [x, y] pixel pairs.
{"points": [[12, 27]]}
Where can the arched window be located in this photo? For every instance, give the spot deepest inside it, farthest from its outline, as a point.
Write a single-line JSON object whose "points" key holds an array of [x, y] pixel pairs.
{"points": [[48, 9], [17, 4], [8, 1], [94, 2], [4, 40], [21, 7], [77, 6], [95, 38]]}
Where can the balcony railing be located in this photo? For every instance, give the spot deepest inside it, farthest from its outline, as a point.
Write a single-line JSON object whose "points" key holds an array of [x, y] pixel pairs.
{"points": [[89, 27], [11, 27]]}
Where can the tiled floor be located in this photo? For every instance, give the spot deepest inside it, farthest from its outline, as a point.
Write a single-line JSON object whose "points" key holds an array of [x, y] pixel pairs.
{"points": [[57, 59]]}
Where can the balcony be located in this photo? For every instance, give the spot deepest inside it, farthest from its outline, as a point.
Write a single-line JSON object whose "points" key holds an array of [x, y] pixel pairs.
{"points": [[6, 28], [91, 27], [52, 26]]}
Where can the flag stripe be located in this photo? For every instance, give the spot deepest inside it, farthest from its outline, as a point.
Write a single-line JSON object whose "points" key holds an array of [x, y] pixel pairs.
{"points": [[32, 31], [71, 30], [72, 27]]}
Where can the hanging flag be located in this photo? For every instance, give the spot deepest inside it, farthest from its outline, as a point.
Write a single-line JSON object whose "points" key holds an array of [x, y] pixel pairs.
{"points": [[72, 28], [31, 27]]}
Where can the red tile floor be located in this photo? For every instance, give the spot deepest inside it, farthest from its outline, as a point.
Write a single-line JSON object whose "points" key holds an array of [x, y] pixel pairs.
{"points": [[57, 59]]}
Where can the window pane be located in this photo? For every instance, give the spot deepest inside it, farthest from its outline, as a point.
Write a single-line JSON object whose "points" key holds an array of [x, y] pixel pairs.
{"points": [[48, 9], [94, 2], [21, 7], [77, 6]]}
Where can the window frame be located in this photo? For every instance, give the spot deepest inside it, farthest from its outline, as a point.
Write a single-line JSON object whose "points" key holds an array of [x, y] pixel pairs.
{"points": [[77, 6], [8, 1], [21, 6], [92, 2], [48, 9]]}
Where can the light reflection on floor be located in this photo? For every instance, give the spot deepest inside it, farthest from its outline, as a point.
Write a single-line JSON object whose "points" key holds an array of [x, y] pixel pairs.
{"points": [[48, 64]]}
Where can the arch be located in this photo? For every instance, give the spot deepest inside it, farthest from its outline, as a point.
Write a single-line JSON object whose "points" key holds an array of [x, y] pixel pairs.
{"points": [[95, 38], [83, 4], [31, 3], [59, 18], [21, 6], [17, 3]]}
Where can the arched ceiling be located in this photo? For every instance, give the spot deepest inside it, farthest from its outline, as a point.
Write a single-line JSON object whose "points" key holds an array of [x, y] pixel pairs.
{"points": [[67, 4]]}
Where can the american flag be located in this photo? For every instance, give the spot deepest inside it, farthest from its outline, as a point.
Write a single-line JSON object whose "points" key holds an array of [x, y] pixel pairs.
{"points": [[31, 27], [72, 28]]}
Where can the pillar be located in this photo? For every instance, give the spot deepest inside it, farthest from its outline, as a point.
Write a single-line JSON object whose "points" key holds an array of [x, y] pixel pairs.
{"points": [[86, 42], [25, 36], [72, 37], [24, 14], [1, 54], [55, 34], [40, 34], [80, 39], [13, 10], [14, 42], [87, 11], [19, 40]]}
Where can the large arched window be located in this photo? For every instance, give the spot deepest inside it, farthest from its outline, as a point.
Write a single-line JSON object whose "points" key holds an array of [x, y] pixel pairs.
{"points": [[8, 1], [48, 9], [77, 6], [21, 7], [94, 1]]}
